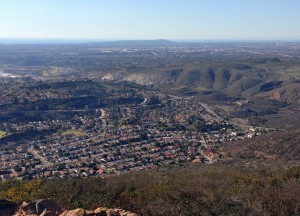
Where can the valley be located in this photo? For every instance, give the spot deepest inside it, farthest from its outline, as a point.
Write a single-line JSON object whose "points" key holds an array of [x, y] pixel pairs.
{"points": [[246, 85], [150, 126]]}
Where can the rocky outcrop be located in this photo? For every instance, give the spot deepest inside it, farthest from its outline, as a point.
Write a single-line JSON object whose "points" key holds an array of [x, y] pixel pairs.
{"points": [[75, 212], [98, 212], [47, 207]]}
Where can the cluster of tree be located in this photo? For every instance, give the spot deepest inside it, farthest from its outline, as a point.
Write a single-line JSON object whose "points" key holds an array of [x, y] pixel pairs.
{"points": [[200, 125]]}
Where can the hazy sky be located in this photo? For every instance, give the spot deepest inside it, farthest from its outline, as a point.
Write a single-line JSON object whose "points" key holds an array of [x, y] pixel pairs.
{"points": [[151, 19]]}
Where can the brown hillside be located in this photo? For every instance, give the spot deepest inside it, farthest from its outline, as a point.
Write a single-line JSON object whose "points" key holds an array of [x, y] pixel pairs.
{"points": [[279, 145], [288, 92]]}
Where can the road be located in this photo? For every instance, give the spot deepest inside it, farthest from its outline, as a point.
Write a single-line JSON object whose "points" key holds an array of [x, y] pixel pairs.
{"points": [[103, 118], [37, 156], [145, 101], [205, 106], [208, 109]]}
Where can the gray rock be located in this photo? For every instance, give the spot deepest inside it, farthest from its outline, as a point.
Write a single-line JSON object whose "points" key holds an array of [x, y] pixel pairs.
{"points": [[43, 206]]}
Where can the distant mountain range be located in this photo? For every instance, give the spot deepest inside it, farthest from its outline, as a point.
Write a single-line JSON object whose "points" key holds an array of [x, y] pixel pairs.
{"points": [[158, 42], [138, 43]]}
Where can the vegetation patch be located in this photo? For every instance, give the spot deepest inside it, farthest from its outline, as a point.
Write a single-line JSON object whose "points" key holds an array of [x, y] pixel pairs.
{"points": [[2, 134], [73, 132], [175, 190]]}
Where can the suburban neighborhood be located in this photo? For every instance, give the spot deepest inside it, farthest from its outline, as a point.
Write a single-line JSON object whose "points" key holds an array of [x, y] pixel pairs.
{"points": [[156, 129]]}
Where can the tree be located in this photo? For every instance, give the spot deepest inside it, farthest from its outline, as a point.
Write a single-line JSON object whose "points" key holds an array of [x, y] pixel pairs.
{"points": [[143, 135], [17, 169], [198, 126]]}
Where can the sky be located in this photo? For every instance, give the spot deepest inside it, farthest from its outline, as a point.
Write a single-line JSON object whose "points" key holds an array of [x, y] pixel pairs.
{"points": [[151, 19]]}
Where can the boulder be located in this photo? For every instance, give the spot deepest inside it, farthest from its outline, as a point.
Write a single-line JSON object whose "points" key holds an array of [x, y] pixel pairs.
{"points": [[46, 213], [7, 207], [112, 212], [100, 211], [75, 212], [89, 213], [127, 213], [27, 208], [47, 207]]}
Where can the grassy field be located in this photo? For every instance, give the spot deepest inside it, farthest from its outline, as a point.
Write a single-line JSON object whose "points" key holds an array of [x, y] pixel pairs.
{"points": [[2, 134], [73, 132]]}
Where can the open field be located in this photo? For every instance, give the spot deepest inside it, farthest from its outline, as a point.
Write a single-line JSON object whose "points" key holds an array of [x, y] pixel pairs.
{"points": [[2, 134], [73, 132]]}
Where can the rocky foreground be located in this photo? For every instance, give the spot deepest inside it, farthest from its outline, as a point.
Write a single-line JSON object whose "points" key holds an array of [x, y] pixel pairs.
{"points": [[47, 207]]}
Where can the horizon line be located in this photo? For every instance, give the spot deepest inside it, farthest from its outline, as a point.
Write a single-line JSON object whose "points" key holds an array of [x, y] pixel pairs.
{"points": [[12, 40]]}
